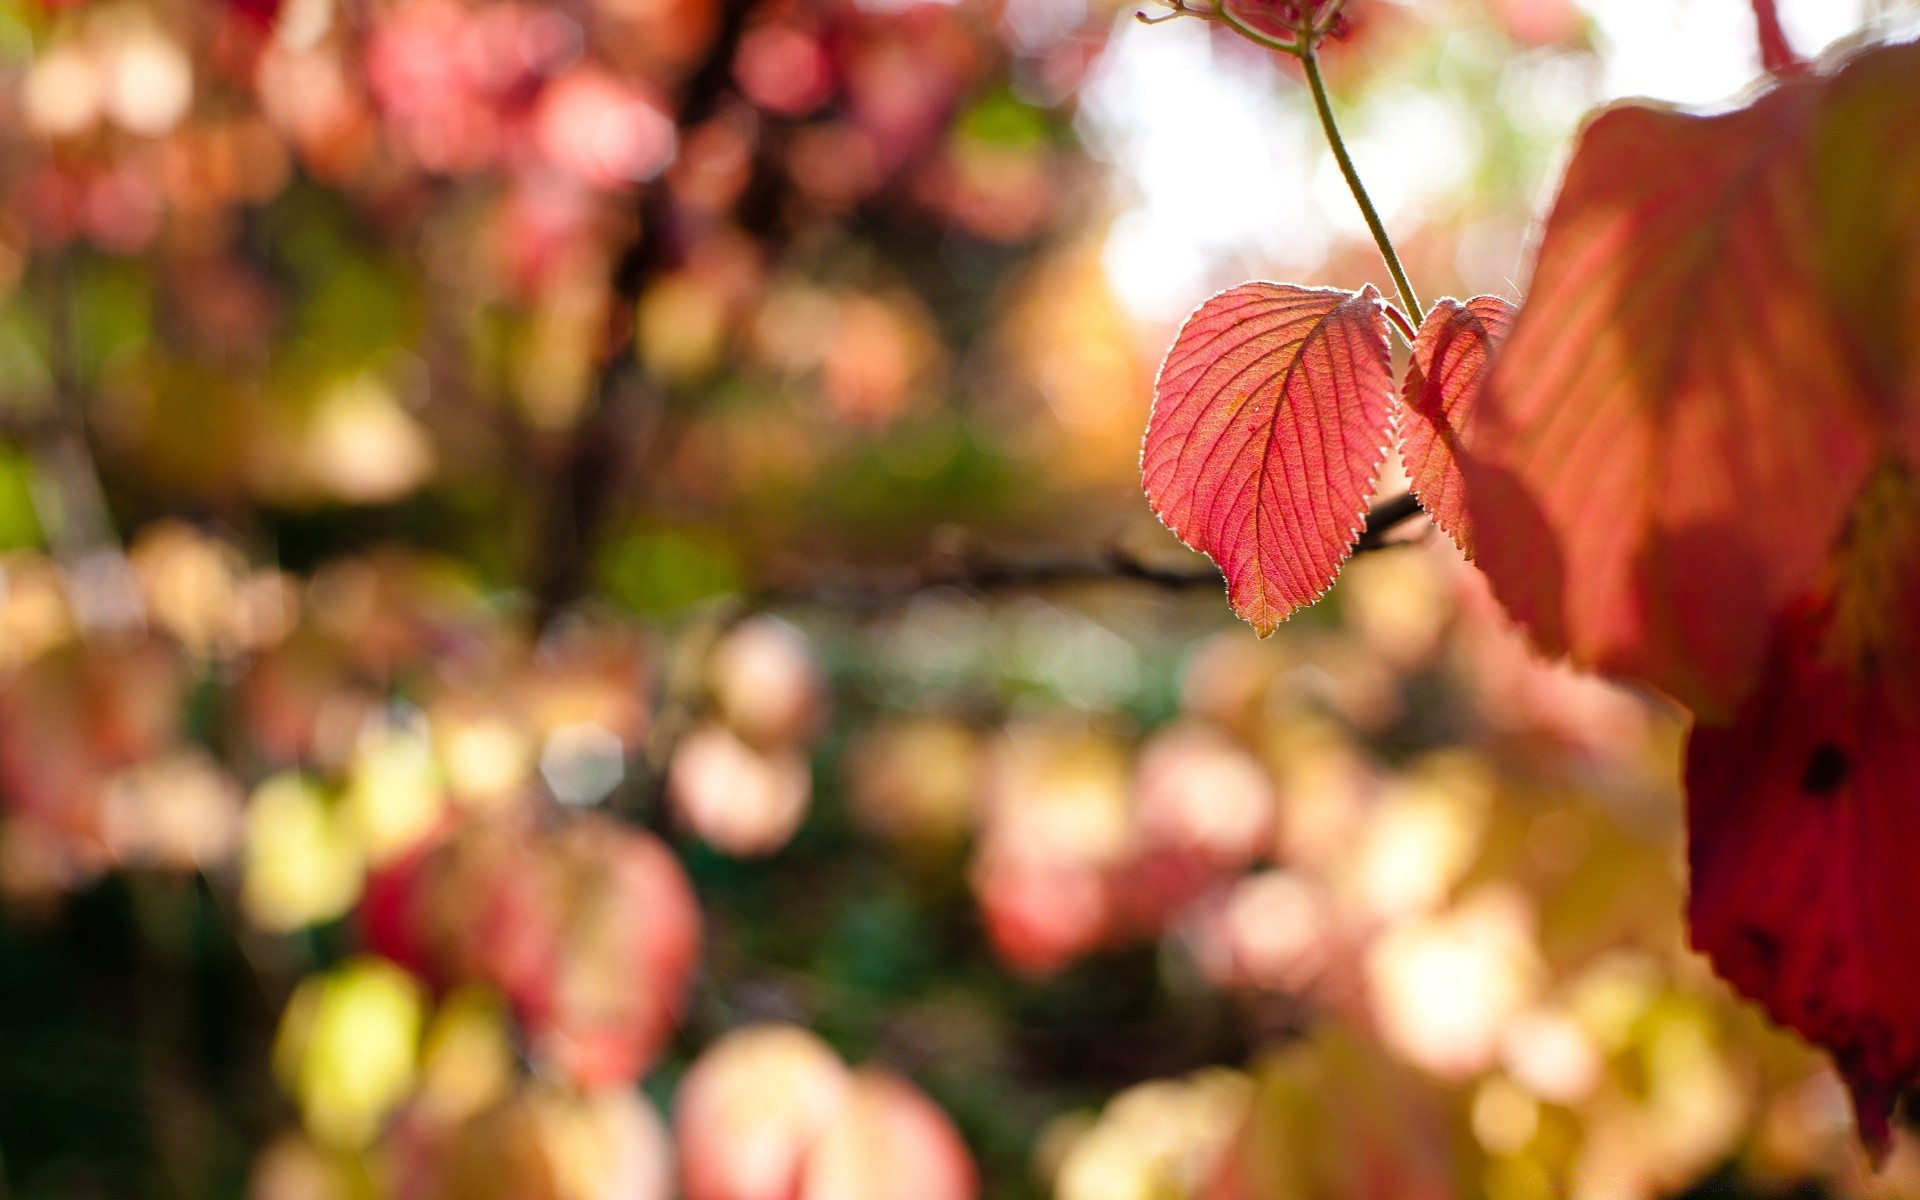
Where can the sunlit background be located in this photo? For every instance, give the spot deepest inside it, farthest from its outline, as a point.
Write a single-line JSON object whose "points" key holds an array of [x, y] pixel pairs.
{"points": [[558, 635]]}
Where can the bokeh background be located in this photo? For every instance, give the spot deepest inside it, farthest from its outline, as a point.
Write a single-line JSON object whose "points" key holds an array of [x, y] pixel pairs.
{"points": [[576, 622]]}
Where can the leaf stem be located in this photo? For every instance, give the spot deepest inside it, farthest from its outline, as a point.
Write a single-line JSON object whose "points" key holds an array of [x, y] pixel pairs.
{"points": [[1776, 52], [1380, 239]]}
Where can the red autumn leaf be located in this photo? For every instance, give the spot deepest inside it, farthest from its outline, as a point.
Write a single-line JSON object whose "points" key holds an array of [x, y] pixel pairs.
{"points": [[1450, 359], [1270, 420], [1668, 444], [1801, 814], [1802, 823]]}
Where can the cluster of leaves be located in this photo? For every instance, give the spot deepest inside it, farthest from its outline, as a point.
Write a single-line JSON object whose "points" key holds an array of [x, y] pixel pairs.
{"points": [[1688, 460]]}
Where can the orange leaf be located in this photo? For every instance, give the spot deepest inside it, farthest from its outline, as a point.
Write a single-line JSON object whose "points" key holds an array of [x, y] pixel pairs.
{"points": [[1867, 168], [1672, 436], [1450, 359], [1270, 420]]}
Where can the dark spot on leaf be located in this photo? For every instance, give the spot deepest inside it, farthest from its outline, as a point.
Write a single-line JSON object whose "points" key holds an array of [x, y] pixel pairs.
{"points": [[1827, 768], [1763, 950]]}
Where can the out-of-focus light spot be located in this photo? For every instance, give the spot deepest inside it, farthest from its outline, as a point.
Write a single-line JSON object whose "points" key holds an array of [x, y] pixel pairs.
{"points": [[1326, 787], [1444, 988], [181, 812], [34, 617], [1212, 151], [609, 1144], [302, 23], [1504, 1117], [394, 794], [915, 781], [597, 128], [888, 1142], [1398, 603], [1199, 792], [783, 70], [894, 6], [1807, 1124], [266, 609], [738, 799], [1422, 837], [1277, 927], [293, 1168], [346, 1049], [1410, 146], [750, 1109], [1539, 22], [362, 447], [62, 94], [548, 40], [1036, 26], [1689, 1109], [767, 682], [190, 583], [582, 762], [1160, 1139], [487, 758], [301, 865], [149, 83], [1060, 794], [1227, 677], [1610, 997], [1041, 913], [1703, 51], [878, 351], [1552, 1056], [467, 1061], [681, 323], [103, 594]]}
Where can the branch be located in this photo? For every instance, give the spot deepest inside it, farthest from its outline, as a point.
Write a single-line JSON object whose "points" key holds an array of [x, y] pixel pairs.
{"points": [[624, 405], [870, 590]]}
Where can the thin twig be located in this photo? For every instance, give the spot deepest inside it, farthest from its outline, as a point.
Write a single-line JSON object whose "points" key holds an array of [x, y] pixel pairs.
{"points": [[1776, 52], [875, 589], [1325, 108]]}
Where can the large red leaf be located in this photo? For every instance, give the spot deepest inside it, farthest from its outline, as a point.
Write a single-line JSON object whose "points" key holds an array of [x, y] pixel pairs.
{"points": [[1803, 816], [1667, 445], [1450, 359], [1271, 418], [1803, 813]]}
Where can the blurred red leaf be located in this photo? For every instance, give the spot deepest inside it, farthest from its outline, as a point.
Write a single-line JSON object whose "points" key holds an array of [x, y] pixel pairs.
{"points": [[1800, 813], [1270, 420], [1800, 822], [1667, 447], [1450, 359], [1692, 396]]}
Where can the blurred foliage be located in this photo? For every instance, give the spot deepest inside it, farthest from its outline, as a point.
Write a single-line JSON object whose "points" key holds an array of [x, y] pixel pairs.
{"points": [[488, 668]]}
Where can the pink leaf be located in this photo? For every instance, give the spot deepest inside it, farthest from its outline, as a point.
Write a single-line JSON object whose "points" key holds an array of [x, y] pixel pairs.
{"points": [[1450, 358], [1270, 419]]}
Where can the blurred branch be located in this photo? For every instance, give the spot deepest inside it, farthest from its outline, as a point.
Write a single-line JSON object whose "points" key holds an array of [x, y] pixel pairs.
{"points": [[886, 587], [850, 589], [68, 496], [625, 405]]}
